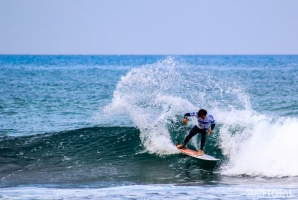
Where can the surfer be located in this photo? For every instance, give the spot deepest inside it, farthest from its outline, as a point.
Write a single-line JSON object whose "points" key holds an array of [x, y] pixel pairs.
{"points": [[204, 121]]}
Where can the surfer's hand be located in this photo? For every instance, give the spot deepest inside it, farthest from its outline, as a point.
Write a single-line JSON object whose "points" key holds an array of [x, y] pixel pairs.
{"points": [[210, 131], [184, 121]]}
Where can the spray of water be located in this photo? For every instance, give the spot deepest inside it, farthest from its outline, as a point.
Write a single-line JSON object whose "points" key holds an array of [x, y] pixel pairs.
{"points": [[156, 96]]}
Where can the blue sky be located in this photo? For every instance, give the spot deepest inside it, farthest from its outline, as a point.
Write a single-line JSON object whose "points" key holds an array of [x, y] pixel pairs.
{"points": [[169, 27]]}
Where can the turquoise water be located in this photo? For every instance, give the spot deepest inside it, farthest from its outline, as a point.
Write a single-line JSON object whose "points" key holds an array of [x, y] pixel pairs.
{"points": [[109, 123]]}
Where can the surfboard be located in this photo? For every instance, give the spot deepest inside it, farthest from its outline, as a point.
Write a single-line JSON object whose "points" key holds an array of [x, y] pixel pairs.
{"points": [[194, 154]]}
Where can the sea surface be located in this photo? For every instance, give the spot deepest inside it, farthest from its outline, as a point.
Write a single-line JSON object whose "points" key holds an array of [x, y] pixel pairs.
{"points": [[105, 127]]}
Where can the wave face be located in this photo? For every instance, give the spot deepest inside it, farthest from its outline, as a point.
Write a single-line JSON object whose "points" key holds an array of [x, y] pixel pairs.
{"points": [[251, 143], [92, 157], [68, 157]]}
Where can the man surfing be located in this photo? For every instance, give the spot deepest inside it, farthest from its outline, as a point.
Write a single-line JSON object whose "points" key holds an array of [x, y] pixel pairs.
{"points": [[204, 121]]}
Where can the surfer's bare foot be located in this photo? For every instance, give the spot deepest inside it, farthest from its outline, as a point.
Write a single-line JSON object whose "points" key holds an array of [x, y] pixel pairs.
{"points": [[180, 145], [201, 153]]}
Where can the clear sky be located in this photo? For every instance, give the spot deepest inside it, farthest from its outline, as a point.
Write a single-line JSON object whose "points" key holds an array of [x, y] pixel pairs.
{"points": [[148, 27]]}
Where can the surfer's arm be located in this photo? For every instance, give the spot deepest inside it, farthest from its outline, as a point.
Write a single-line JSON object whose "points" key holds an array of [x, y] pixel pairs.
{"points": [[186, 115], [211, 129], [190, 114], [212, 126], [212, 121]]}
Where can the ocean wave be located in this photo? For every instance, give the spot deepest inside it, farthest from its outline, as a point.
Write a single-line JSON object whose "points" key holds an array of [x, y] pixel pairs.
{"points": [[103, 156], [156, 96]]}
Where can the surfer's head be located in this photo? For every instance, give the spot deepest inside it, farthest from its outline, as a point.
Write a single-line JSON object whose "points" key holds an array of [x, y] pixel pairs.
{"points": [[202, 113]]}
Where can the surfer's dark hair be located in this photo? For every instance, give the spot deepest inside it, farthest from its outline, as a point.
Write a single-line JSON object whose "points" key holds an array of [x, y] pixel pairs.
{"points": [[202, 112]]}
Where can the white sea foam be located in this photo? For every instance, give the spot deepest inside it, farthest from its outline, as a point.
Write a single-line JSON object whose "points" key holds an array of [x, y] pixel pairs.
{"points": [[145, 95], [155, 96], [263, 146], [149, 192]]}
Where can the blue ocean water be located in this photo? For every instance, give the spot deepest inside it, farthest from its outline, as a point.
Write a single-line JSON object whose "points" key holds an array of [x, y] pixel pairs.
{"points": [[98, 127]]}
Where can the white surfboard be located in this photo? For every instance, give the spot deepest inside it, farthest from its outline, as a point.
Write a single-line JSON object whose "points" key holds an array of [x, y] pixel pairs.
{"points": [[194, 154]]}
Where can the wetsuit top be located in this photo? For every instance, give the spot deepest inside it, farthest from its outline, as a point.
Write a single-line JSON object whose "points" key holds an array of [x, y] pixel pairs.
{"points": [[202, 123]]}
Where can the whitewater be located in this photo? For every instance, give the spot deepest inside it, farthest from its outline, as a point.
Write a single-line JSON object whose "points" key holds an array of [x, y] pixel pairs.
{"points": [[252, 143]]}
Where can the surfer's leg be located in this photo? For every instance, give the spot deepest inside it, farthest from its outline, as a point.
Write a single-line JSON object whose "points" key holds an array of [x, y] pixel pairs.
{"points": [[203, 138], [191, 133]]}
